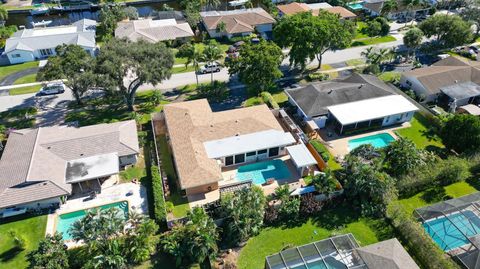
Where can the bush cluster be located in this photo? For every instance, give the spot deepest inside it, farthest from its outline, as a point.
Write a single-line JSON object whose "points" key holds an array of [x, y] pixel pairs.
{"points": [[317, 76], [320, 149], [158, 198], [268, 99]]}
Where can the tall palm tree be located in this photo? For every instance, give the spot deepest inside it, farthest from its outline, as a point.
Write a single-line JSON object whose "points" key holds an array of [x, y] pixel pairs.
{"points": [[3, 15], [210, 54]]}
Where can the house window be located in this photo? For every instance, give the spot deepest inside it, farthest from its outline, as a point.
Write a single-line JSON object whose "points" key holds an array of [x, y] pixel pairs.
{"points": [[240, 158], [263, 151], [273, 152], [408, 83], [17, 55], [46, 52], [229, 160], [253, 153]]}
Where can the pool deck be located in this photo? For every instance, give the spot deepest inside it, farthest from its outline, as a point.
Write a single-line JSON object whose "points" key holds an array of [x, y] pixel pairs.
{"points": [[110, 194], [338, 145]]}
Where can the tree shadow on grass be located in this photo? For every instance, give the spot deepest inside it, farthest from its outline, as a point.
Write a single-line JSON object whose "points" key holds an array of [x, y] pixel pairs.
{"points": [[435, 194], [10, 254], [473, 181], [337, 214]]}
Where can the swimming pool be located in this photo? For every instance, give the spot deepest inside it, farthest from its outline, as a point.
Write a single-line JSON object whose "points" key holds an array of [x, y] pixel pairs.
{"points": [[260, 172], [378, 141], [355, 6], [448, 235], [65, 221]]}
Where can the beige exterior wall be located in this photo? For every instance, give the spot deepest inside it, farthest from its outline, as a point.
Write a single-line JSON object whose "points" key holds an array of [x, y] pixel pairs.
{"points": [[202, 189]]}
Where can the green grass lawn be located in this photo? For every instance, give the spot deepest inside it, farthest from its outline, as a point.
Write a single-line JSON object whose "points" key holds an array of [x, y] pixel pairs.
{"points": [[26, 79], [10, 69], [31, 229], [360, 32], [135, 172], [25, 90], [355, 62], [200, 47], [180, 203], [372, 41], [332, 164], [182, 69], [330, 222], [420, 133], [422, 199], [390, 76]]}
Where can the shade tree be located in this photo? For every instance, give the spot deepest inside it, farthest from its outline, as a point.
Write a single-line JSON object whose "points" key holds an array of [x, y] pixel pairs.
{"points": [[448, 30], [50, 253]]}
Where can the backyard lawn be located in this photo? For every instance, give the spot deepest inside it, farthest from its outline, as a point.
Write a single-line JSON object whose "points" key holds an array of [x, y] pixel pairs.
{"points": [[137, 171], [420, 133], [332, 164], [331, 222], [31, 229], [10, 69]]}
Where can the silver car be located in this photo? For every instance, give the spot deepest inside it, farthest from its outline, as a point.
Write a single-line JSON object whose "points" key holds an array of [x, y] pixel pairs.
{"points": [[52, 88], [210, 68]]}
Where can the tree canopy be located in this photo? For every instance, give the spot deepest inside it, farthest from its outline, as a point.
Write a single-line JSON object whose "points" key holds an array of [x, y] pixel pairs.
{"points": [[413, 39], [402, 156], [309, 36], [471, 13], [462, 133], [124, 66], [258, 65], [448, 30], [50, 253], [75, 65]]}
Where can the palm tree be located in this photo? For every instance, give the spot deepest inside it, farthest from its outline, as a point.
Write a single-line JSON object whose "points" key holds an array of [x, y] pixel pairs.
{"points": [[3, 15], [282, 192], [210, 4], [388, 6], [410, 4], [324, 183], [210, 54]]}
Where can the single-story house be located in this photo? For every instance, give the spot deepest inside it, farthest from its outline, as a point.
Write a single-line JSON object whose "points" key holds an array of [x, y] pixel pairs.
{"points": [[343, 251], [39, 43], [294, 8], [205, 143], [374, 8], [241, 22], [355, 102], [40, 167], [154, 30], [452, 82]]}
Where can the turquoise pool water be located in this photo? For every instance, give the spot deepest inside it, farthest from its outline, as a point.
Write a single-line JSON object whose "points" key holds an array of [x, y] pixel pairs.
{"points": [[355, 6], [260, 172], [65, 221], [378, 141], [449, 236]]}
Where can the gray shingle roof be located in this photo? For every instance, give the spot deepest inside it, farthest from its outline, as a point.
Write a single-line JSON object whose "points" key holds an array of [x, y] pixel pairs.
{"points": [[33, 165], [81, 33], [387, 254], [316, 97]]}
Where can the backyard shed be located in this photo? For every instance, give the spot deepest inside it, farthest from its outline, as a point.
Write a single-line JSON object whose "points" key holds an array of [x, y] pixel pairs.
{"points": [[301, 157]]}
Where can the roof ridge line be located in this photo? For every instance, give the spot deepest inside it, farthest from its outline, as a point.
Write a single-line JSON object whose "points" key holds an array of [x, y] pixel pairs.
{"points": [[81, 137], [33, 153]]}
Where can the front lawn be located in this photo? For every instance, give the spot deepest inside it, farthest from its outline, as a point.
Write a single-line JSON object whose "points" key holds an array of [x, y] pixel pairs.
{"points": [[390, 76], [24, 90], [31, 229], [421, 133], [10, 69], [182, 69], [26, 79], [331, 222], [361, 30], [372, 41]]}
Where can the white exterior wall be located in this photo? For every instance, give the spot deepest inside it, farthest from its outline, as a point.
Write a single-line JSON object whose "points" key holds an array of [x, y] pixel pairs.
{"points": [[127, 160], [397, 118], [417, 87], [261, 28], [36, 205], [249, 159], [29, 56]]}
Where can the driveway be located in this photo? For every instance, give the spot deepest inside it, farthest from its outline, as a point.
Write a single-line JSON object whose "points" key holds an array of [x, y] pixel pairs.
{"points": [[10, 79]]}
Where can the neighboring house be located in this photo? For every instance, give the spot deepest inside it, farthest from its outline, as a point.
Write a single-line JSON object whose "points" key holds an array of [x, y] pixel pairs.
{"points": [[40, 167], [154, 30], [356, 102], [39, 43], [205, 144], [294, 8], [242, 22], [451, 82], [374, 8], [343, 251]]}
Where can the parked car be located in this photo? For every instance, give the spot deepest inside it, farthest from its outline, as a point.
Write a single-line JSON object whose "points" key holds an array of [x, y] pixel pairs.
{"points": [[474, 48], [52, 88], [210, 68]]}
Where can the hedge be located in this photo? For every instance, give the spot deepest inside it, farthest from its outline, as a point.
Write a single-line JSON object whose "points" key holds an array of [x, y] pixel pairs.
{"points": [[320, 148], [159, 209], [268, 99], [418, 242]]}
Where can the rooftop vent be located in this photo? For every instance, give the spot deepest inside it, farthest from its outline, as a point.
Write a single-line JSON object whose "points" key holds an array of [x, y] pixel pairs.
{"points": [[456, 81], [361, 85], [81, 154], [330, 91]]}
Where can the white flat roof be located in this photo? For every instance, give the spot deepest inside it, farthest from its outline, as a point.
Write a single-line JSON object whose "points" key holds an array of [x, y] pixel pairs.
{"points": [[92, 167], [300, 155], [247, 143], [370, 109]]}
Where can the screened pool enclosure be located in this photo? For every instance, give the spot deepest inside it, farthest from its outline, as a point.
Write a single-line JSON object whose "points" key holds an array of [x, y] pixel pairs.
{"points": [[454, 225], [332, 253]]}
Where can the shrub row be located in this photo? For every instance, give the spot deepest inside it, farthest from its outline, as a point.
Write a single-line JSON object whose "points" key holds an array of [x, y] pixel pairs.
{"points": [[320, 148], [268, 99], [159, 210], [438, 173], [417, 241], [317, 76]]}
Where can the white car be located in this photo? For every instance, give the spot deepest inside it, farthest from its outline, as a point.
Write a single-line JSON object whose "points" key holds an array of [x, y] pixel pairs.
{"points": [[210, 68], [52, 88]]}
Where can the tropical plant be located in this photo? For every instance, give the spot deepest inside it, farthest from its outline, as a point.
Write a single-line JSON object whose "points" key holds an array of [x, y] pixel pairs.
{"points": [[140, 241], [3, 15], [192, 242], [289, 209], [324, 182], [462, 133], [244, 211], [156, 97], [50, 253], [282, 192], [221, 27], [211, 54], [193, 56], [377, 56], [309, 205], [309, 36], [402, 156], [108, 18], [17, 239], [130, 12], [140, 62], [5, 33]]}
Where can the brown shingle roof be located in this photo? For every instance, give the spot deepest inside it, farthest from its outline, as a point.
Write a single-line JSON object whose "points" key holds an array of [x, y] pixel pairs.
{"points": [[449, 71], [343, 12], [192, 123], [236, 21], [33, 163], [293, 8], [152, 30]]}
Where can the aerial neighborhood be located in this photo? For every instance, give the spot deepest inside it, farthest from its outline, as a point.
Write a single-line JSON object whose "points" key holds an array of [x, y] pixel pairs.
{"points": [[249, 134]]}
